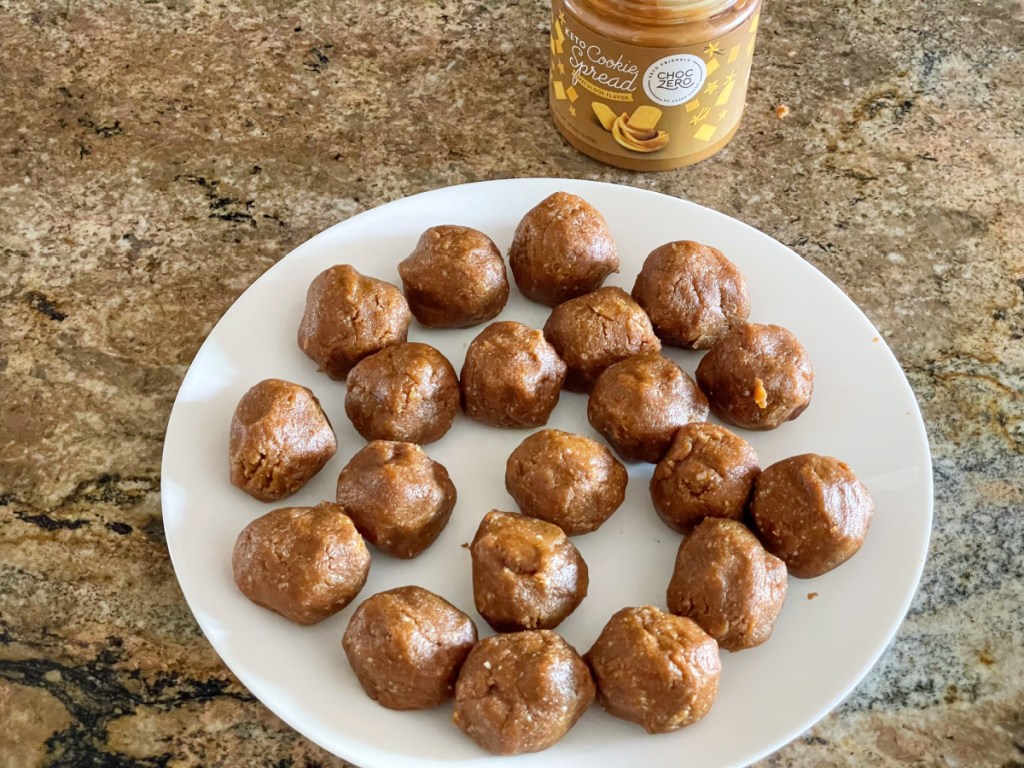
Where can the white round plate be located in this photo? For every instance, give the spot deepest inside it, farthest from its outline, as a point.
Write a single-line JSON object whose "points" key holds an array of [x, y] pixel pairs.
{"points": [[831, 630]]}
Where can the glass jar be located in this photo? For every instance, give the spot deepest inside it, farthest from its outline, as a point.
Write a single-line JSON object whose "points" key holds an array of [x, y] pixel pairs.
{"points": [[650, 85]]}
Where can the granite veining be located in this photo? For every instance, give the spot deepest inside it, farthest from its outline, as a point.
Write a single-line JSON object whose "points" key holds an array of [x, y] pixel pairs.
{"points": [[157, 156]]}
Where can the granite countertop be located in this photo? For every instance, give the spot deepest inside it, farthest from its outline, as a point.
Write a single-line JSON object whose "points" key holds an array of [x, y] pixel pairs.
{"points": [[157, 156]]}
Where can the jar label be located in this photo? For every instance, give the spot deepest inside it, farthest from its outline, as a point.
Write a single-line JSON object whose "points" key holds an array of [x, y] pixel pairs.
{"points": [[638, 103]]}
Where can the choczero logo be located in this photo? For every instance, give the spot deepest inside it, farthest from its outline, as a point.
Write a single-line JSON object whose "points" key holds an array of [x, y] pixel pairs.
{"points": [[674, 80], [671, 81]]}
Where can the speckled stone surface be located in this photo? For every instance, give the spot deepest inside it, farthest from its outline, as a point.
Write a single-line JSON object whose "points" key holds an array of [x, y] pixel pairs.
{"points": [[157, 156]]}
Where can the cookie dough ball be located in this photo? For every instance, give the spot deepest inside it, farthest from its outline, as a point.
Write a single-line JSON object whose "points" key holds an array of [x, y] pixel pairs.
{"points": [[812, 512], [397, 496], [693, 294], [349, 316], [565, 479], [455, 278], [279, 438], [655, 669], [708, 472], [757, 376], [639, 404], [511, 376], [725, 581], [561, 249], [595, 330], [406, 392], [305, 563], [407, 646], [521, 692], [526, 573]]}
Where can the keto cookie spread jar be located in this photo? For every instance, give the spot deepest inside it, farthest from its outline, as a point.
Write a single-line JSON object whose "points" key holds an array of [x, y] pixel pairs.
{"points": [[650, 85]]}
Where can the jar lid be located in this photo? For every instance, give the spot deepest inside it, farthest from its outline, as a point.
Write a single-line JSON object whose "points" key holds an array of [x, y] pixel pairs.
{"points": [[665, 11]]}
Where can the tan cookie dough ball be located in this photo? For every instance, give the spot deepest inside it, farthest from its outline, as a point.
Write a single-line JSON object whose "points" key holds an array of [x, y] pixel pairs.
{"points": [[639, 404], [406, 392], [565, 479], [511, 376], [279, 438], [708, 472], [561, 249], [305, 563], [693, 294], [397, 496], [349, 316], [655, 669], [595, 330], [725, 581], [406, 647], [455, 278], [526, 573], [812, 512], [521, 692], [757, 376]]}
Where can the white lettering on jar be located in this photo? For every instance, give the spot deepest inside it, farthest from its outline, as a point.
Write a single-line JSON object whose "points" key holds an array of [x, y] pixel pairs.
{"points": [[588, 62]]}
